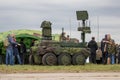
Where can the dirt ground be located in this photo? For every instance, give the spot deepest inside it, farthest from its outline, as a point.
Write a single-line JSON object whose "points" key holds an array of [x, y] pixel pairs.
{"points": [[62, 76]]}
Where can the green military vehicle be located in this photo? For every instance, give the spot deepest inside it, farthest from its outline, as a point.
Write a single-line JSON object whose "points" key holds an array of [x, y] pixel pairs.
{"points": [[63, 52]]}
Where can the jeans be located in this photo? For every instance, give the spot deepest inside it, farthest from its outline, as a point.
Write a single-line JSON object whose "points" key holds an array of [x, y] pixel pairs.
{"points": [[22, 57], [112, 58], [9, 56], [16, 54], [18, 57]]}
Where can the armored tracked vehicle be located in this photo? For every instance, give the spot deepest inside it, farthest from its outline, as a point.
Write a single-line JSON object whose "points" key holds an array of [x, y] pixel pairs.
{"points": [[66, 51]]}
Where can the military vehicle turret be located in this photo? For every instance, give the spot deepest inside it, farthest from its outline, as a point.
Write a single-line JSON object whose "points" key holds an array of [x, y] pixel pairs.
{"points": [[64, 52]]}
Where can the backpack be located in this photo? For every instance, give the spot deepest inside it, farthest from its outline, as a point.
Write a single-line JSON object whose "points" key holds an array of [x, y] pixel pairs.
{"points": [[6, 42]]}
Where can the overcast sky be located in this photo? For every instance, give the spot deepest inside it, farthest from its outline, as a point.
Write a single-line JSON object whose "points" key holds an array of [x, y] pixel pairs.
{"points": [[28, 14]]}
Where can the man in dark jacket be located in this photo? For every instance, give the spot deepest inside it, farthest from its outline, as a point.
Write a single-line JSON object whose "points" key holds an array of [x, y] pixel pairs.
{"points": [[104, 49], [22, 50], [16, 52], [93, 47]]}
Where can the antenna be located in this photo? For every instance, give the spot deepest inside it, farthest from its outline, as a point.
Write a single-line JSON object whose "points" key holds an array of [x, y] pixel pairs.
{"points": [[98, 27], [83, 16], [86, 22], [62, 29], [70, 26], [79, 24], [89, 23]]}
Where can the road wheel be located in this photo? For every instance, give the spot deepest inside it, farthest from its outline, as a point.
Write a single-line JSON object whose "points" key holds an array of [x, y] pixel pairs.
{"points": [[78, 59], [64, 59], [37, 59], [49, 59], [31, 59]]}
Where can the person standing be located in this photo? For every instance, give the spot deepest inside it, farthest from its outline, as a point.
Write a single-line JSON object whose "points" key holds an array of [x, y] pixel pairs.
{"points": [[93, 47], [67, 38], [107, 49], [98, 56], [9, 50], [22, 50], [117, 54], [32, 43], [15, 51], [111, 52], [104, 50], [62, 37]]}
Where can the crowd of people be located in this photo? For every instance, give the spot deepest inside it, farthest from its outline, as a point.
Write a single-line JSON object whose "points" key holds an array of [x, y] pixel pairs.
{"points": [[107, 53], [104, 52], [14, 50]]}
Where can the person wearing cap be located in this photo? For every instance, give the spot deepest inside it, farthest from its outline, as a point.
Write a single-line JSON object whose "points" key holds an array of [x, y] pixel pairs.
{"points": [[93, 47]]}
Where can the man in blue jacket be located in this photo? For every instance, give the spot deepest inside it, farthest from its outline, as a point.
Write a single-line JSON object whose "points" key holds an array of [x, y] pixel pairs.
{"points": [[9, 50]]}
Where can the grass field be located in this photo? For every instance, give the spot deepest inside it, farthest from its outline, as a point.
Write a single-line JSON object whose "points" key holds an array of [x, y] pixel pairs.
{"points": [[53, 69]]}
